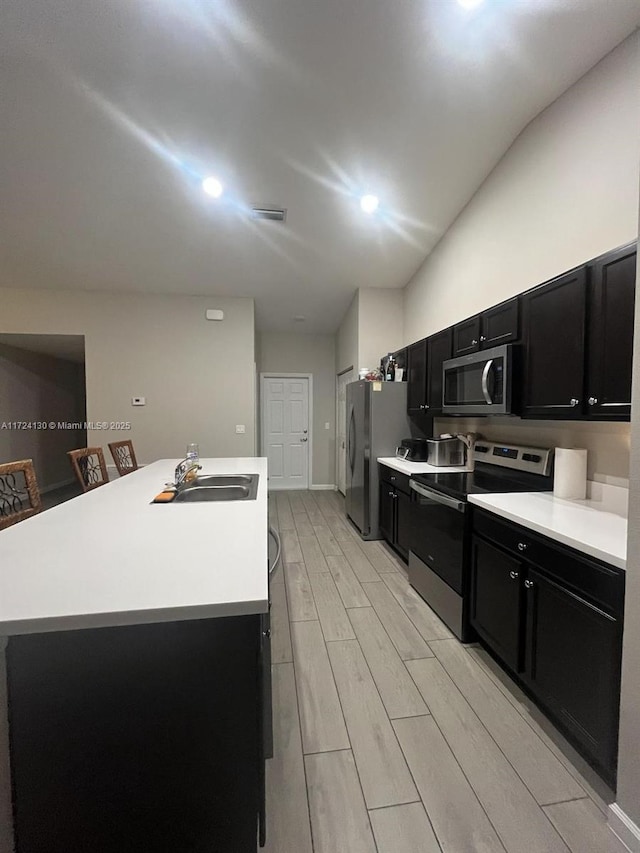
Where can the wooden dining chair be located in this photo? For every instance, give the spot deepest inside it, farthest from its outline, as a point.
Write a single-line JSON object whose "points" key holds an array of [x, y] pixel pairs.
{"points": [[19, 493], [124, 456], [89, 467]]}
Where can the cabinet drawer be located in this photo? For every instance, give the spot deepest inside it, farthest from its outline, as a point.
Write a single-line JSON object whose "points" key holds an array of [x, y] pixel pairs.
{"points": [[395, 478], [597, 583]]}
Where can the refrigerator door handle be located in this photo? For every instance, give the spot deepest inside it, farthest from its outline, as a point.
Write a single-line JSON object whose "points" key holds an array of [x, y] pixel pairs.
{"points": [[351, 444]]}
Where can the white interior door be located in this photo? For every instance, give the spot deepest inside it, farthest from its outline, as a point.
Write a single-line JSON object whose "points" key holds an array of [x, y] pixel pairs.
{"points": [[343, 380], [285, 418]]}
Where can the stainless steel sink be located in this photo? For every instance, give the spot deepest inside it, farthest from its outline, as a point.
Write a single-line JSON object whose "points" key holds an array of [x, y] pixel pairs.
{"points": [[224, 479], [213, 487], [213, 493]]}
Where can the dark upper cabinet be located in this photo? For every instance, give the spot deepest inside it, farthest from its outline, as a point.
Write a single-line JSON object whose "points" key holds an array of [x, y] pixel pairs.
{"points": [[496, 595], [500, 325], [466, 336], [573, 651], [417, 378], [438, 351], [610, 334], [497, 325], [554, 344]]}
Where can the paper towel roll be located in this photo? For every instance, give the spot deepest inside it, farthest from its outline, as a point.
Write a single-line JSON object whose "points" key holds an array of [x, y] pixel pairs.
{"points": [[570, 477]]}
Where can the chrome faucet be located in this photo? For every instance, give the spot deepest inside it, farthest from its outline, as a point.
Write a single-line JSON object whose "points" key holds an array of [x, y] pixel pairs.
{"points": [[184, 469]]}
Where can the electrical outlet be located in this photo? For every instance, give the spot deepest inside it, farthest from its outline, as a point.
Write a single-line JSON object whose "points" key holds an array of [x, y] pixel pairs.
{"points": [[240, 428], [138, 401]]}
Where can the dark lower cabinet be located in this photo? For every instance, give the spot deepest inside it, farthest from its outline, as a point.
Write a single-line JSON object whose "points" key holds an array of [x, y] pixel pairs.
{"points": [[554, 618], [496, 601], [140, 738], [403, 508], [571, 653], [395, 506], [386, 511]]}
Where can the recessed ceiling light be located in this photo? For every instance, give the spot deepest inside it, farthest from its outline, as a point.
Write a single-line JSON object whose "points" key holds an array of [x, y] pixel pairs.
{"points": [[212, 187], [369, 203], [469, 4]]}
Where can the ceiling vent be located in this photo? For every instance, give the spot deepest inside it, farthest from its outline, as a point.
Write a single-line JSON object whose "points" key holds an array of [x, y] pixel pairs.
{"points": [[276, 214]]}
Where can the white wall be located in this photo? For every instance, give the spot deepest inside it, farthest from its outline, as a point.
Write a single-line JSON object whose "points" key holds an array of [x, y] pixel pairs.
{"points": [[35, 387], [297, 353], [198, 376], [566, 191], [347, 338], [370, 329], [628, 797], [379, 324]]}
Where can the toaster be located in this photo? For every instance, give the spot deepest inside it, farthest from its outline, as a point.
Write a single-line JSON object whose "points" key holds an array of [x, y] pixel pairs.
{"points": [[445, 451]]}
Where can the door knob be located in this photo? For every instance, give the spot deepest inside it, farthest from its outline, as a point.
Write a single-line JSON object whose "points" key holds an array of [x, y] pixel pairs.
{"points": [[305, 431], [574, 401], [593, 401], [303, 439], [522, 546], [474, 342], [513, 575], [483, 338], [528, 584]]}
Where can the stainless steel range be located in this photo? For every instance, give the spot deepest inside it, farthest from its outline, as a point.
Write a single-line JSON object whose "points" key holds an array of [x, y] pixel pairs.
{"points": [[439, 537]]}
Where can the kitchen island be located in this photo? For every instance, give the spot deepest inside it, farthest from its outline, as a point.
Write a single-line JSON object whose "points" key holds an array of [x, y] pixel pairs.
{"points": [[137, 669]]}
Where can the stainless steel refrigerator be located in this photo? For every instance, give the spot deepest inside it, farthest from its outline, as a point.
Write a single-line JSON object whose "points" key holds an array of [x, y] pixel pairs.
{"points": [[376, 423]]}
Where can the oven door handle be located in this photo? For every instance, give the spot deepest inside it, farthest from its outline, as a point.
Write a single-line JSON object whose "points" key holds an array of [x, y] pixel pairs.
{"points": [[437, 497], [485, 382]]}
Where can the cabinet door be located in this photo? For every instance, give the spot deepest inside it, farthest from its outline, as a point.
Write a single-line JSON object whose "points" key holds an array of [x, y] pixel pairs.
{"points": [[500, 325], [554, 332], [610, 341], [466, 336], [386, 512], [496, 601], [573, 665], [438, 351], [417, 378], [403, 524]]}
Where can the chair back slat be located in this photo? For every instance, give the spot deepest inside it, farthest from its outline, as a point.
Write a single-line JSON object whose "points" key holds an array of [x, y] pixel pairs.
{"points": [[124, 456], [19, 493], [89, 467]]}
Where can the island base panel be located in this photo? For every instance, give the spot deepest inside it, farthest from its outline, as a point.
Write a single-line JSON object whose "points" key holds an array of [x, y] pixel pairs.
{"points": [[142, 738]]}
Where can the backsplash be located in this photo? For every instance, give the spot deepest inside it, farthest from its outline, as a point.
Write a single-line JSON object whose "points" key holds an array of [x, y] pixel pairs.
{"points": [[607, 443]]}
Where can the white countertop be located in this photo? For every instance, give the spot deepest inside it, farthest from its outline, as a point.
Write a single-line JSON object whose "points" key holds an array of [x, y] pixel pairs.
{"points": [[110, 557], [580, 524], [417, 467]]}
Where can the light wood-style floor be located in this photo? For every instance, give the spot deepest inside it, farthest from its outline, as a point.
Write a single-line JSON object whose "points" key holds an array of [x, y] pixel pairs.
{"points": [[391, 736]]}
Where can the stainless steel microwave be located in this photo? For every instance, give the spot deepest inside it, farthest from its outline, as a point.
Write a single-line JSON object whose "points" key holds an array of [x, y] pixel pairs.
{"points": [[480, 383]]}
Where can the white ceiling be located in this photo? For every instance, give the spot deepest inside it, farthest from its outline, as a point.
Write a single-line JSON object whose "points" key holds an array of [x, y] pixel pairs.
{"points": [[68, 347], [112, 111]]}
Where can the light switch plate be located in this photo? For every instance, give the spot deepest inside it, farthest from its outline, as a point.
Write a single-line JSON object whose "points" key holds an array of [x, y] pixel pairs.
{"points": [[138, 401], [240, 428], [326, 425]]}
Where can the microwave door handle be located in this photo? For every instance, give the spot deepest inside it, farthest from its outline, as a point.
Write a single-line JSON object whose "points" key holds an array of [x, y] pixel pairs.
{"points": [[485, 381]]}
